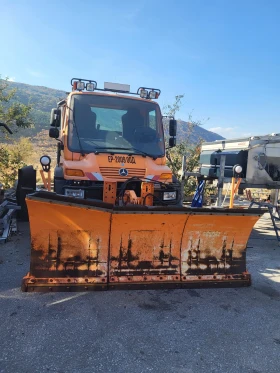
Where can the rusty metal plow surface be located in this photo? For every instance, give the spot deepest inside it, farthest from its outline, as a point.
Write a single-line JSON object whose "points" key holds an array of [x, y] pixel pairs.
{"points": [[96, 246]]}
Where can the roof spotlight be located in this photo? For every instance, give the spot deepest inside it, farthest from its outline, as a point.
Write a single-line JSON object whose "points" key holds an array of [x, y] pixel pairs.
{"points": [[143, 93], [80, 86], [153, 95], [90, 87]]}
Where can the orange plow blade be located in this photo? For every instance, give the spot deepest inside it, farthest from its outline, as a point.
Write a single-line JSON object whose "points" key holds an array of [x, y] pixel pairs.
{"points": [[78, 245], [69, 245]]}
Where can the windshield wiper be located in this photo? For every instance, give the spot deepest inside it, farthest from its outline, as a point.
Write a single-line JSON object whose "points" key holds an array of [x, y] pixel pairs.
{"points": [[143, 153], [132, 149]]}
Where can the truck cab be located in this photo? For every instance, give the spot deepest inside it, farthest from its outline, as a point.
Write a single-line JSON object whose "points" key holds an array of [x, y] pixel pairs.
{"points": [[112, 139]]}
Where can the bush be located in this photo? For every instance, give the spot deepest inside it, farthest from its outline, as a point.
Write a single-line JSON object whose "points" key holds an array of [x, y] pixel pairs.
{"points": [[13, 156]]}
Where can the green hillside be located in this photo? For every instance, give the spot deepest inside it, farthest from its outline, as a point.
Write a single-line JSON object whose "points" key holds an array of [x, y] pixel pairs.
{"points": [[43, 99]]}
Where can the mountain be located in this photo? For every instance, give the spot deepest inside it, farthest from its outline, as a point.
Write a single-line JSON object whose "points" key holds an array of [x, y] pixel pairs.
{"points": [[43, 99], [198, 133]]}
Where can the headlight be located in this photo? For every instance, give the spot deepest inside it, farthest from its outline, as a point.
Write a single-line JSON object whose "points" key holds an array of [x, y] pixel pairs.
{"points": [[238, 169], [77, 193], [167, 196], [45, 161]]}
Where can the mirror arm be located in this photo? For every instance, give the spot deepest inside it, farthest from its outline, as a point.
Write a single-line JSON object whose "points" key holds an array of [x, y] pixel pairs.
{"points": [[60, 147], [60, 144]]}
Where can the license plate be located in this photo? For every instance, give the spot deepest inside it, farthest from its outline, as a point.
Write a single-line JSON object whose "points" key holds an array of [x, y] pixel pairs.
{"points": [[121, 159]]}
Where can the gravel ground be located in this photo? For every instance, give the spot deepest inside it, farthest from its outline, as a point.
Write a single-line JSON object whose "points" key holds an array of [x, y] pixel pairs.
{"points": [[183, 331]]}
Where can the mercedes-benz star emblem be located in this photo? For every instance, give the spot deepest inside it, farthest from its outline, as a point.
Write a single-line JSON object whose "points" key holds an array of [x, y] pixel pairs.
{"points": [[123, 172]]}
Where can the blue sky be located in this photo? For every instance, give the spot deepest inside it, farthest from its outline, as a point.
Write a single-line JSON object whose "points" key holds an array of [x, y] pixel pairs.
{"points": [[223, 55]]}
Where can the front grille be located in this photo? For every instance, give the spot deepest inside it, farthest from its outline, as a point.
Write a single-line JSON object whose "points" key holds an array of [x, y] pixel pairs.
{"points": [[113, 172]]}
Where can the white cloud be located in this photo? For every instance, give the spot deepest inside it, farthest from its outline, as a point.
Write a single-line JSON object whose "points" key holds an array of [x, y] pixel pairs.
{"points": [[9, 78], [222, 129], [231, 132], [227, 132], [36, 74]]}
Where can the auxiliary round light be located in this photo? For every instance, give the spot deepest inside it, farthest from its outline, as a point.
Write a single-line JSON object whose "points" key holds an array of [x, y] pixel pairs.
{"points": [[45, 161], [238, 169]]}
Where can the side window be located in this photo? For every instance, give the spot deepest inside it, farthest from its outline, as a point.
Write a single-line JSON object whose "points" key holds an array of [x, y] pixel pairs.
{"points": [[152, 119]]}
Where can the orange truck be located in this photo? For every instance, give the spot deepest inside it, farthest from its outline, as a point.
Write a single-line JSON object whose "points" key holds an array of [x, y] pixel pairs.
{"points": [[115, 219], [108, 136]]}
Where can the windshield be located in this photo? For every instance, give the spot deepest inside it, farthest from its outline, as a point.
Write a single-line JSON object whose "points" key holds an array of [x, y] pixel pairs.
{"points": [[115, 125]]}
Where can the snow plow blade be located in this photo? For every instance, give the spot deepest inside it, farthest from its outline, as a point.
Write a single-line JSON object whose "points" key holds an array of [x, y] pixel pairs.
{"points": [[81, 245]]}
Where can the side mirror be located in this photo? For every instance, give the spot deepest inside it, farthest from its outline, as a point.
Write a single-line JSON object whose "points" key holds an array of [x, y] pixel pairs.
{"points": [[172, 142], [54, 133], [55, 118], [172, 127]]}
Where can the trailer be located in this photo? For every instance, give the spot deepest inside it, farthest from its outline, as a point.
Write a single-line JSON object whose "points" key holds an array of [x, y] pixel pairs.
{"points": [[258, 156]]}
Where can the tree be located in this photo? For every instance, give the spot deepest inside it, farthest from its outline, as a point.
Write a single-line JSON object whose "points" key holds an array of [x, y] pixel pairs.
{"points": [[12, 157], [15, 115], [186, 147]]}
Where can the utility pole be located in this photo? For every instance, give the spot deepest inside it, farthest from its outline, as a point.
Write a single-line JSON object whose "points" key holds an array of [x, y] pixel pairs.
{"points": [[184, 159], [221, 180]]}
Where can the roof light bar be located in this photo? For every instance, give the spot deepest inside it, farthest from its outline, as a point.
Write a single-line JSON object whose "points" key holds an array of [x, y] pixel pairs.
{"points": [[79, 84], [149, 93]]}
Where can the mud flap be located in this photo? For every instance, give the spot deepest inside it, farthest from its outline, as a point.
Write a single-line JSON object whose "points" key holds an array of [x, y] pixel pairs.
{"points": [[83, 245]]}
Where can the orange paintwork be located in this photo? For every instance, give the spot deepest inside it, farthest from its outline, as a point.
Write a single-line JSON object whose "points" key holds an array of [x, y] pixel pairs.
{"points": [[65, 237], [222, 237], [116, 246], [46, 181], [92, 163], [109, 192], [145, 242], [99, 163], [147, 192]]}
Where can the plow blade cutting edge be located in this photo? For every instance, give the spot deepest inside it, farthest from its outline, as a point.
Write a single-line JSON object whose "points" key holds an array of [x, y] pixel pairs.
{"points": [[84, 245]]}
